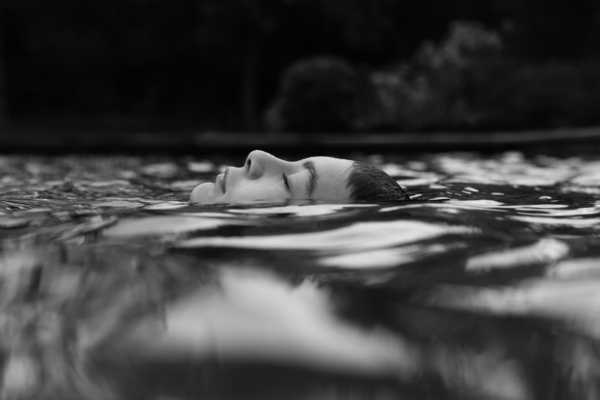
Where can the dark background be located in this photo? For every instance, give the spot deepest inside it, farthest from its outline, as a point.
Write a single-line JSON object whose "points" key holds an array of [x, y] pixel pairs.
{"points": [[299, 65]]}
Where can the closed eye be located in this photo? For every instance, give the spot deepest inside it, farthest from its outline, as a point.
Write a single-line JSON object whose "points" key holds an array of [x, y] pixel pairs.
{"points": [[286, 182]]}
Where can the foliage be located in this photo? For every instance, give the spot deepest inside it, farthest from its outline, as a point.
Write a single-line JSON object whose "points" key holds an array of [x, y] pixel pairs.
{"points": [[468, 81], [439, 89], [319, 94], [215, 64]]}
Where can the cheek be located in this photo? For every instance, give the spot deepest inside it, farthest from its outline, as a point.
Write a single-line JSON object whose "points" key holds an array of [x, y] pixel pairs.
{"points": [[334, 190], [256, 190]]}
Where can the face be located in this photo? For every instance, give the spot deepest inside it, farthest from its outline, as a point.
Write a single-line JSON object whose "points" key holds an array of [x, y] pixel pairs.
{"points": [[265, 177]]}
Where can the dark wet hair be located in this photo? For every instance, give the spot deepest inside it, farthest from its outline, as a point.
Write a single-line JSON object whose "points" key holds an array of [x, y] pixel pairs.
{"points": [[369, 183]]}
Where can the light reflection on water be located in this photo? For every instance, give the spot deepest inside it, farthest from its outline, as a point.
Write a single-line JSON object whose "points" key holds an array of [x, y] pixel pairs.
{"points": [[485, 286]]}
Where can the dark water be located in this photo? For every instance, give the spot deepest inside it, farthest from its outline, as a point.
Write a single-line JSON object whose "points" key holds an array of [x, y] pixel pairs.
{"points": [[486, 286]]}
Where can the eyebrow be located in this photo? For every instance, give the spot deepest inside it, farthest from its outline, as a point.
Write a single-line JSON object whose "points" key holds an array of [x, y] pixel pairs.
{"points": [[312, 177]]}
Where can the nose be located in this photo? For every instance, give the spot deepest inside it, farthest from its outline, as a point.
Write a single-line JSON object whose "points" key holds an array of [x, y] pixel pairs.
{"points": [[259, 162]]}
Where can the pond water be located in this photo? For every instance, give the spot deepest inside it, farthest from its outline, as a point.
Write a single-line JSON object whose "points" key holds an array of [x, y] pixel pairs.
{"points": [[484, 286]]}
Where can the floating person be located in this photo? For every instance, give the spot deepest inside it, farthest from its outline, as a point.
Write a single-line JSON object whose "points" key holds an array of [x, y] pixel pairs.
{"points": [[266, 177]]}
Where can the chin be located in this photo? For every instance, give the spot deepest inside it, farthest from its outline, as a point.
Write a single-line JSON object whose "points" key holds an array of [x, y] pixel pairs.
{"points": [[200, 194]]}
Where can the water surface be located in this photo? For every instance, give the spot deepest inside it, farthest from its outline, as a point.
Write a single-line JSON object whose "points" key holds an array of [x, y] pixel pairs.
{"points": [[484, 286]]}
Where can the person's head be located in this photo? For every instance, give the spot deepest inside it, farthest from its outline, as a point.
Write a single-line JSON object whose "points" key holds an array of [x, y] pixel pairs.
{"points": [[265, 177]]}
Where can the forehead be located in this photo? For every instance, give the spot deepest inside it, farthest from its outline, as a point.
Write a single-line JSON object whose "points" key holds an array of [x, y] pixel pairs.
{"points": [[338, 166]]}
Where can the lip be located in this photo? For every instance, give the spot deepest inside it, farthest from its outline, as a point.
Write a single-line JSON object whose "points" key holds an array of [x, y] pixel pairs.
{"points": [[221, 181]]}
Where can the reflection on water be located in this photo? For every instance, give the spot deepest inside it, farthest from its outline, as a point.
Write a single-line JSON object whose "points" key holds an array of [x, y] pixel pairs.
{"points": [[486, 286]]}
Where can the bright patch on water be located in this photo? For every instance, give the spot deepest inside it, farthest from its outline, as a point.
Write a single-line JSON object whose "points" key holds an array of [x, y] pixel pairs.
{"points": [[485, 286]]}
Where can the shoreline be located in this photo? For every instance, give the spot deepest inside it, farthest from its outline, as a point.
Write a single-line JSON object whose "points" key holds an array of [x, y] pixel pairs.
{"points": [[568, 140]]}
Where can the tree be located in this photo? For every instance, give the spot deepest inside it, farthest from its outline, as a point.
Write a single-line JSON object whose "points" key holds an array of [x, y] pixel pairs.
{"points": [[321, 94], [236, 31], [3, 103], [261, 38]]}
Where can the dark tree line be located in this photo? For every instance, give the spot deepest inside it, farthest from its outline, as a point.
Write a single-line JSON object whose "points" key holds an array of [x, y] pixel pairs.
{"points": [[3, 111], [216, 64]]}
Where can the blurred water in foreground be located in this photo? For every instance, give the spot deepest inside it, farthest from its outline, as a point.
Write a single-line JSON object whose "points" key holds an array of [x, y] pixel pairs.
{"points": [[486, 286]]}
